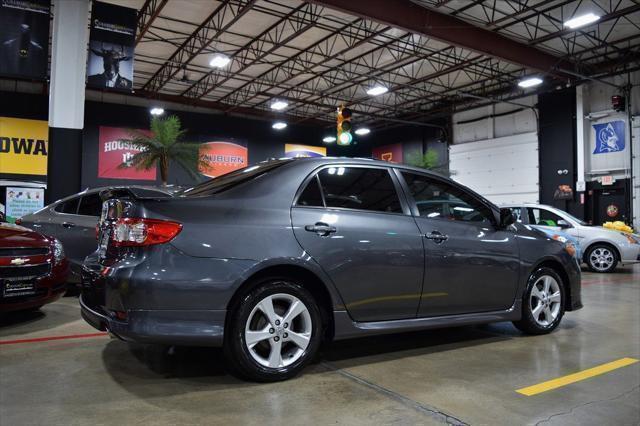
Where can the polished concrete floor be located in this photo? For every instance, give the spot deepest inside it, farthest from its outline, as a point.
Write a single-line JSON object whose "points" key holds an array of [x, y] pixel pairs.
{"points": [[461, 376]]}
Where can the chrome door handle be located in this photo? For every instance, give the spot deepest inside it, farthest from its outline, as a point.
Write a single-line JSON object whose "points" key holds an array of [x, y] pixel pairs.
{"points": [[320, 228], [68, 224], [436, 237]]}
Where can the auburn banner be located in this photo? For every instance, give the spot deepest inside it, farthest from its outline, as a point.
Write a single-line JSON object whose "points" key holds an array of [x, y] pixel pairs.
{"points": [[219, 158], [114, 151], [293, 150], [23, 146]]}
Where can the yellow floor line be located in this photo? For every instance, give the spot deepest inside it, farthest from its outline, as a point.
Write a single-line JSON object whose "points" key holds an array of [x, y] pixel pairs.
{"points": [[576, 377]]}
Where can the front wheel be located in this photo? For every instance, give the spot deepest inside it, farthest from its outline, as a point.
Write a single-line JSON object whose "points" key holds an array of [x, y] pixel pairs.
{"points": [[543, 303], [274, 331], [601, 258]]}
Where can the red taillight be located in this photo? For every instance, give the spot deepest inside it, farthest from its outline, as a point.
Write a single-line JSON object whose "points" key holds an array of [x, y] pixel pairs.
{"points": [[143, 232], [18, 221]]}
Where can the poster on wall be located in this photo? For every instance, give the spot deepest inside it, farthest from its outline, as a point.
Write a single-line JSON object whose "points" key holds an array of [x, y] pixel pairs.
{"points": [[391, 153], [609, 137], [111, 47], [24, 38], [23, 201], [114, 151], [295, 150], [221, 157], [23, 146]]}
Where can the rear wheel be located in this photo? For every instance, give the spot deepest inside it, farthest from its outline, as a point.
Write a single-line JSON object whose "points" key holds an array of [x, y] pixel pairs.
{"points": [[601, 258], [274, 331], [543, 303]]}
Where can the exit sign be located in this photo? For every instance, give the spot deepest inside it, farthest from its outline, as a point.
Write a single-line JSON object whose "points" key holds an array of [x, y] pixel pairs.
{"points": [[607, 180]]}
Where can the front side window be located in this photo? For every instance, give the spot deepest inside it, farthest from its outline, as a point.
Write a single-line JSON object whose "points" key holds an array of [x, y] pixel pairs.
{"points": [[438, 200], [359, 188], [543, 217], [90, 205]]}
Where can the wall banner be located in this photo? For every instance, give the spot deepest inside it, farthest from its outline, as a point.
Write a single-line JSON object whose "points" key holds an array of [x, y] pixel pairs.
{"points": [[114, 151], [392, 153], [111, 47], [609, 137], [24, 38], [219, 158], [23, 146], [294, 150], [23, 201]]}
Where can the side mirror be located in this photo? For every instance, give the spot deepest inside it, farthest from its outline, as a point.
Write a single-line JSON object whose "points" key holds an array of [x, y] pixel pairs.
{"points": [[506, 218], [563, 224]]}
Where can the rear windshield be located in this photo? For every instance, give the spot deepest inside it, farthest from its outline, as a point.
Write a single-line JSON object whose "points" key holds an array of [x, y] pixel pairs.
{"points": [[235, 178]]}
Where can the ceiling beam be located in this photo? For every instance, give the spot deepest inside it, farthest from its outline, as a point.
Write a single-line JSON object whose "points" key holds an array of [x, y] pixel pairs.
{"points": [[417, 19], [147, 14]]}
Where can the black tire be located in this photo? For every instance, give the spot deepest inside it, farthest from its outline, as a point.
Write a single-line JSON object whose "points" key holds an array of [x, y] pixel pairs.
{"points": [[237, 353], [528, 323], [597, 267]]}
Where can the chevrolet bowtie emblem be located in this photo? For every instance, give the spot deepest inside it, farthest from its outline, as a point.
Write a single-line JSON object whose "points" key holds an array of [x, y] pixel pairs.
{"points": [[19, 261]]}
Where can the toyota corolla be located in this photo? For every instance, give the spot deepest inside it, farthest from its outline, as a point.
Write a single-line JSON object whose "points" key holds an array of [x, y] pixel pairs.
{"points": [[271, 260]]}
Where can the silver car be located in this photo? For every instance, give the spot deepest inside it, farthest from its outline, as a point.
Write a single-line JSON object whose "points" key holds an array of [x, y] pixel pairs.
{"points": [[603, 249], [73, 221]]}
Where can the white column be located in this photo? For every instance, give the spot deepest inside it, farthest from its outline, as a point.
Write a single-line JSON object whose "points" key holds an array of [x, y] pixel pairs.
{"points": [[68, 63], [580, 135]]}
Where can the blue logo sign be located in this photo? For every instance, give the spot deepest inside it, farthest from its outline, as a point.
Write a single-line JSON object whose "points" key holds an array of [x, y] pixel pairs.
{"points": [[609, 137]]}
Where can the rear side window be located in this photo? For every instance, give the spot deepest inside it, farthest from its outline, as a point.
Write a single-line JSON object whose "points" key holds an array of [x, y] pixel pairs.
{"points": [[311, 196], [90, 205], [359, 188], [68, 207]]}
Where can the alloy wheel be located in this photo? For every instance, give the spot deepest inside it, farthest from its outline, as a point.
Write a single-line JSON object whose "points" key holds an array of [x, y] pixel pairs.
{"points": [[545, 300], [278, 330], [601, 258]]}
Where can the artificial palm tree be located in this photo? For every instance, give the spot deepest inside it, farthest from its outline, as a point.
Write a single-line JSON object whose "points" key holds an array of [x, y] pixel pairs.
{"points": [[163, 146]]}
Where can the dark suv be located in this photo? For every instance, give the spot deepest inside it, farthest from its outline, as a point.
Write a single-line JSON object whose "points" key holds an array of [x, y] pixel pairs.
{"points": [[270, 260]]}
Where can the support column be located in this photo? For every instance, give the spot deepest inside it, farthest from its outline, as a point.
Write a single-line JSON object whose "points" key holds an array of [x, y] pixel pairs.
{"points": [[580, 147], [66, 97]]}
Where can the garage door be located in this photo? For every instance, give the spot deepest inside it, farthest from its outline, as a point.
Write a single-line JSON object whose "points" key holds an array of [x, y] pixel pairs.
{"points": [[505, 170]]}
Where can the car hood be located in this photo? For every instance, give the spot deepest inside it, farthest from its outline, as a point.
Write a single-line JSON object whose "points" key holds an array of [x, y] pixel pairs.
{"points": [[14, 235]]}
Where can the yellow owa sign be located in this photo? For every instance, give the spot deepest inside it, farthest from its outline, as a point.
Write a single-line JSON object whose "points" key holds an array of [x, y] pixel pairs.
{"points": [[23, 146]]}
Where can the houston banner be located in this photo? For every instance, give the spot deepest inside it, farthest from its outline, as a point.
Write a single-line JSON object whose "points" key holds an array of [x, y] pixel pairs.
{"points": [[220, 157], [113, 150], [294, 150], [23, 146]]}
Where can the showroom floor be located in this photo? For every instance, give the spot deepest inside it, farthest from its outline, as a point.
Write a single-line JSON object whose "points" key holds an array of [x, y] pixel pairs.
{"points": [[466, 375]]}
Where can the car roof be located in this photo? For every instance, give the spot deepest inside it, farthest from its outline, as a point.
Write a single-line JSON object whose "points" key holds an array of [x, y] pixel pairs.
{"points": [[366, 162]]}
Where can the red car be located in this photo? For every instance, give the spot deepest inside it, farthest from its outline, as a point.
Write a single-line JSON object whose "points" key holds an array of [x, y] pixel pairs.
{"points": [[33, 269]]}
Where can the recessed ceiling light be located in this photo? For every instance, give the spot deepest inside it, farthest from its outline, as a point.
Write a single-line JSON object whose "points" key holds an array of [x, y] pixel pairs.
{"points": [[279, 125], [279, 105], [329, 139], [219, 60], [529, 82], [156, 111], [377, 90], [581, 21], [363, 131]]}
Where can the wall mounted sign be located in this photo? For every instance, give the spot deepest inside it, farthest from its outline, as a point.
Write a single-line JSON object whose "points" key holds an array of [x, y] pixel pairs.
{"points": [[23, 146], [111, 47], [295, 150], [392, 153], [23, 201], [607, 180], [609, 137], [24, 38], [113, 150], [612, 210], [220, 158]]}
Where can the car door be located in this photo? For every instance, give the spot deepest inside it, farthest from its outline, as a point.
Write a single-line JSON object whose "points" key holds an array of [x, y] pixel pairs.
{"points": [[351, 221], [470, 265]]}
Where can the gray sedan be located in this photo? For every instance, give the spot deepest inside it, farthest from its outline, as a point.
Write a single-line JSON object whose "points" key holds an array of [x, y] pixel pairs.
{"points": [[270, 260], [73, 220]]}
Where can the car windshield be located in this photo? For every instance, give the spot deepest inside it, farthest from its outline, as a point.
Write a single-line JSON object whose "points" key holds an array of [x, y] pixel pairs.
{"points": [[224, 182]]}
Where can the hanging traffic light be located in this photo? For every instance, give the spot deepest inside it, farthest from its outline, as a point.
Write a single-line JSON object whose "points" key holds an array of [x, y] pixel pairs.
{"points": [[344, 126]]}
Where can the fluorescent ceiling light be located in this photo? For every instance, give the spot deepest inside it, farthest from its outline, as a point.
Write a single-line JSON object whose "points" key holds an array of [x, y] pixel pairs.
{"points": [[156, 111], [219, 60], [329, 139], [279, 105], [279, 125], [581, 21], [363, 131], [377, 90], [529, 82]]}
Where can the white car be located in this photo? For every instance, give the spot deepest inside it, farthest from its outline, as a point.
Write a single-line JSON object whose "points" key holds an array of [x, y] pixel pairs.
{"points": [[603, 249]]}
